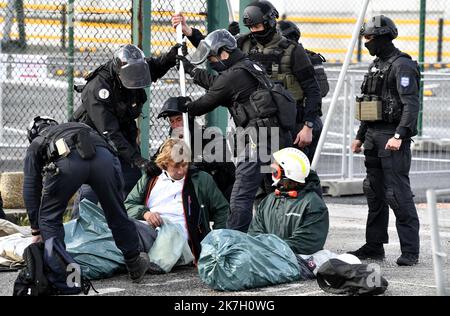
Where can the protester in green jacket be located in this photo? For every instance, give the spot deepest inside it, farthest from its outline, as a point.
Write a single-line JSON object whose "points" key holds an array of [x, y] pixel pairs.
{"points": [[183, 195], [295, 212]]}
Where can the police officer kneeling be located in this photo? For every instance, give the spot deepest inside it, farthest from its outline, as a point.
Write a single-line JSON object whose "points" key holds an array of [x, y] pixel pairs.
{"points": [[69, 155], [388, 111]]}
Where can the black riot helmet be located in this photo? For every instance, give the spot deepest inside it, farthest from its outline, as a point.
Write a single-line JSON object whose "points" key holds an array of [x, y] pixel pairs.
{"points": [[173, 106], [37, 125], [261, 12], [130, 66], [213, 45], [289, 30], [378, 26]]}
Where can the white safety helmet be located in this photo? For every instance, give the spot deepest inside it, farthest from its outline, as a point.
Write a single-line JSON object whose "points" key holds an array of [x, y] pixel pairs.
{"points": [[295, 165]]}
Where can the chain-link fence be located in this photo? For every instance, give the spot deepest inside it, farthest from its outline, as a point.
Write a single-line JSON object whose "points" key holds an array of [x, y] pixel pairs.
{"points": [[431, 151], [34, 60], [327, 26]]}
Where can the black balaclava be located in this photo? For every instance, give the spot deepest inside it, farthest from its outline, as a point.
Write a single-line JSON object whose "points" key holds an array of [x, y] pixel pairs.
{"points": [[266, 36], [223, 65], [380, 46]]}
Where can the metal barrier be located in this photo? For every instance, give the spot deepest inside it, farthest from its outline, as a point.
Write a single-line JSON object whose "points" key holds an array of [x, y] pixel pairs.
{"points": [[439, 254], [431, 152]]}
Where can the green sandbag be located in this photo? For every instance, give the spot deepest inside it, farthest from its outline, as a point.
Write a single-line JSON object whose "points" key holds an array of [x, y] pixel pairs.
{"points": [[234, 261], [90, 242]]}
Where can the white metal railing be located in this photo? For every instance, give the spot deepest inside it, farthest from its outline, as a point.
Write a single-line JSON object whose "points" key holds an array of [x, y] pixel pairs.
{"points": [[439, 255]]}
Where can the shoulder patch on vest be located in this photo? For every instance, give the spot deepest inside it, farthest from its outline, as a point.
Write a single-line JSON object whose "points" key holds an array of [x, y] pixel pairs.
{"points": [[104, 94]]}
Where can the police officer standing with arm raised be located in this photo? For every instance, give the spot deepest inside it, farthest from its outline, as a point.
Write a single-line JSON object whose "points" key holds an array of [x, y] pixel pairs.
{"points": [[285, 61], [69, 155], [113, 99], [388, 111], [233, 88]]}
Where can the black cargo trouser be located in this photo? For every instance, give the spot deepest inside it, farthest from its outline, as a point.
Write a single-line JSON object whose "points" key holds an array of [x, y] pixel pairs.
{"points": [[103, 174], [388, 185], [130, 175]]}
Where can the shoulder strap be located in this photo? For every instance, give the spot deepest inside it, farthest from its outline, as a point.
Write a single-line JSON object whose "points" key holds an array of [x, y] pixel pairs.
{"points": [[255, 73]]}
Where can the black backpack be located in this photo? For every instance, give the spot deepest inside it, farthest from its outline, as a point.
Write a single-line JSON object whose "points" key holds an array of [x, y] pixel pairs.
{"points": [[338, 277], [32, 280], [271, 98], [317, 61], [50, 270]]}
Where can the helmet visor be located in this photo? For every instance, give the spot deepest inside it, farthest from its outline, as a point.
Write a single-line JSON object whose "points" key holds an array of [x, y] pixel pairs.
{"points": [[201, 54], [135, 75]]}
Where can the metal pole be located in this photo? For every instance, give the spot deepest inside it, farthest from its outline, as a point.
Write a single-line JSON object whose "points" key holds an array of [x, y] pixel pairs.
{"points": [[438, 255], [186, 131], [359, 49], [440, 40], [63, 26], [142, 13], [344, 167], [71, 58], [335, 98], [351, 135], [423, 17], [218, 18]]}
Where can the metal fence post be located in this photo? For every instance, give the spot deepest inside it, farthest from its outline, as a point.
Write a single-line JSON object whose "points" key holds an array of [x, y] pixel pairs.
{"points": [[71, 58], [438, 254], [440, 40], [63, 12], [142, 13], [423, 17], [351, 134], [218, 18], [344, 167], [337, 90]]}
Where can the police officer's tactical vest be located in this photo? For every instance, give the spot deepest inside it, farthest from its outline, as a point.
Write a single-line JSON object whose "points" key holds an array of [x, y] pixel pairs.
{"points": [[276, 57], [125, 106], [56, 140], [379, 102], [270, 105]]}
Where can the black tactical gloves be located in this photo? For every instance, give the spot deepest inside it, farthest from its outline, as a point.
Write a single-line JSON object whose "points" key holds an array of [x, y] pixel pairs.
{"points": [[234, 28], [171, 57], [188, 66]]}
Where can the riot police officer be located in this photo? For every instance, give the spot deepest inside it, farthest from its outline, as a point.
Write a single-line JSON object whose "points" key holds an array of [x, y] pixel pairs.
{"points": [[233, 88], [388, 111], [113, 99], [70, 155], [285, 61], [214, 152]]}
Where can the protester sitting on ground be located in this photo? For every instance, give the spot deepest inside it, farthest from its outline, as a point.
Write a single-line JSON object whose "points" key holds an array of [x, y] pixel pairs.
{"points": [[294, 212], [182, 194]]}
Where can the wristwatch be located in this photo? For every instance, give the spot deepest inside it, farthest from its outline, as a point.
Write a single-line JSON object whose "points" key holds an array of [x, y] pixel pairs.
{"points": [[309, 124], [397, 136]]}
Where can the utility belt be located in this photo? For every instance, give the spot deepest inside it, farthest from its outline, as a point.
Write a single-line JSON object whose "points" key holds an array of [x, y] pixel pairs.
{"points": [[84, 142], [371, 108]]}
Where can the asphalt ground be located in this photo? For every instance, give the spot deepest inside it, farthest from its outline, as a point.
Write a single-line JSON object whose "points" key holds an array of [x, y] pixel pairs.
{"points": [[346, 233]]}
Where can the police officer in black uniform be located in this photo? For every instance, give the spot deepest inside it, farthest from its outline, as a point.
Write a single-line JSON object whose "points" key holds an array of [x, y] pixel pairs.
{"points": [[232, 88], [113, 99], [388, 111], [214, 152], [285, 61], [69, 155]]}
